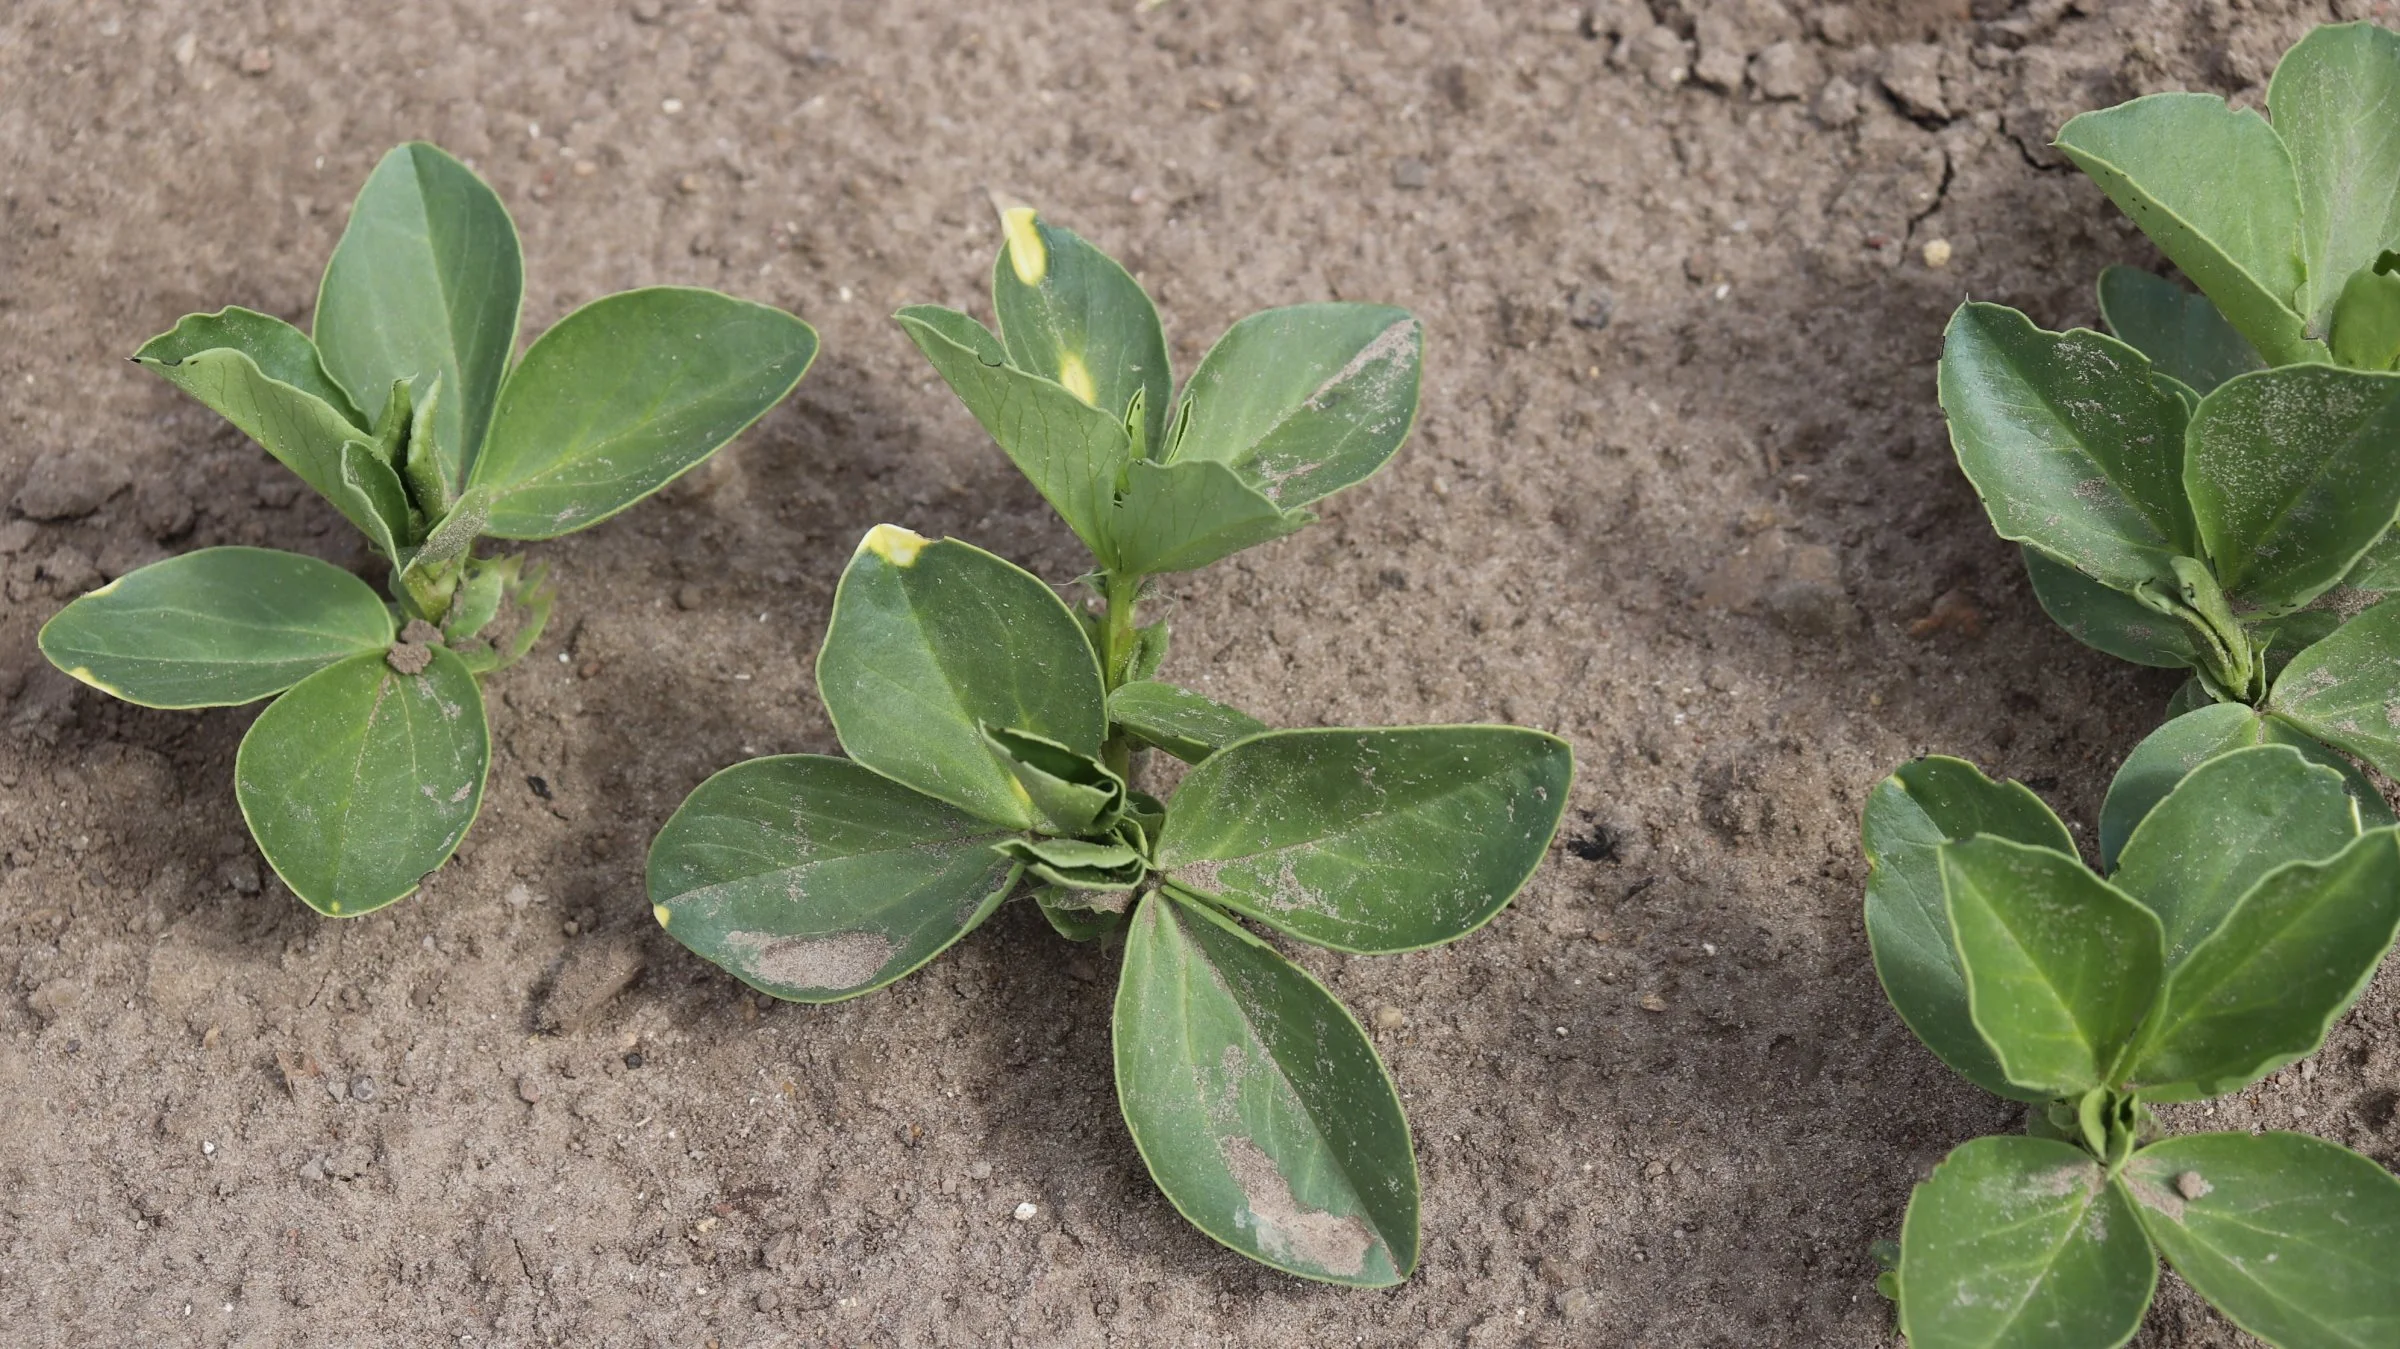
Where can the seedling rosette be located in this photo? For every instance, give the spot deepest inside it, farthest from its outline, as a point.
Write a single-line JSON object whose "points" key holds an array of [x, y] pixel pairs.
{"points": [[2244, 913], [408, 411], [993, 736]]}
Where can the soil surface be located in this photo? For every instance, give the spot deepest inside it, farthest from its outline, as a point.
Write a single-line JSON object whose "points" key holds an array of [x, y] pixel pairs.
{"points": [[1680, 493]]}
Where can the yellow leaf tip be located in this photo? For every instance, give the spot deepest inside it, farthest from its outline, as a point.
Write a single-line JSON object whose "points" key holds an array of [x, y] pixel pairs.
{"points": [[1026, 254], [662, 913], [893, 544]]}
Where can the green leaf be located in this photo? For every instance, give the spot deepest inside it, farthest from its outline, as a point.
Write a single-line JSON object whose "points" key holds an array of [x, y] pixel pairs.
{"points": [[1073, 453], [362, 780], [422, 470], [2294, 473], [1259, 1103], [1307, 400], [2345, 690], [2366, 319], [931, 641], [1183, 516], [2061, 967], [2290, 1236], [2071, 446], [627, 394], [1150, 643], [216, 628], [2378, 569], [1071, 315], [1079, 864], [813, 879], [2214, 189], [2108, 620], [304, 432], [2190, 739], [1177, 720], [1908, 817], [2333, 96], [1072, 793], [2282, 964], [281, 352], [426, 281], [2021, 1243], [2180, 331], [1369, 840], [1073, 917], [366, 477], [2231, 820]]}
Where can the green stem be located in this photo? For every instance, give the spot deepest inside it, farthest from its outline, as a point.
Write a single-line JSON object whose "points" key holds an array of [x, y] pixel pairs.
{"points": [[1119, 631]]}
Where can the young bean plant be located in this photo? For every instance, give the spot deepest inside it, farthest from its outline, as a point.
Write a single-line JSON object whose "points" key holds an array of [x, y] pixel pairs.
{"points": [[2189, 491], [994, 737], [2245, 912], [409, 412]]}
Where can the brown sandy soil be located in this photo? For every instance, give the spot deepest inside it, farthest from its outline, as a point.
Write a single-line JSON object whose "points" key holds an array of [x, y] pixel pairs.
{"points": [[1680, 493]]}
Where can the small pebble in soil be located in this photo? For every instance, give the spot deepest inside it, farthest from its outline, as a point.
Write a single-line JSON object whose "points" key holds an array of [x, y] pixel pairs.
{"points": [[1026, 1210], [257, 61], [980, 1171], [1578, 1303], [767, 1300], [528, 1090], [1390, 1018], [670, 106], [362, 1089], [1937, 253], [634, 1059]]}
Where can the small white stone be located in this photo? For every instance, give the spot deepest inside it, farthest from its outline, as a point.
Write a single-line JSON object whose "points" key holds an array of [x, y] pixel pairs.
{"points": [[1025, 1211], [670, 106], [1937, 252]]}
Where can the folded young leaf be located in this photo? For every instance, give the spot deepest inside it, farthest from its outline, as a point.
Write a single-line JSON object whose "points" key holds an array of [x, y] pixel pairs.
{"points": [[2061, 967], [813, 879], [216, 627], [2192, 738], [281, 352], [1078, 865], [627, 394], [2071, 446], [1369, 840], [1177, 720], [2284, 962], [1070, 314], [1307, 400], [1258, 1102], [2332, 96], [933, 640], [1183, 516], [2215, 190], [2231, 820], [362, 780], [2293, 473], [1074, 915], [427, 280], [2341, 690], [390, 524], [2109, 620], [1071, 793], [1909, 815], [304, 432], [1073, 453], [2021, 1243], [422, 470], [2290, 1236], [2366, 319], [2180, 331]]}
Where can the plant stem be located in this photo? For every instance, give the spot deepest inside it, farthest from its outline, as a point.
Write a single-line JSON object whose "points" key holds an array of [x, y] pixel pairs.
{"points": [[1119, 632]]}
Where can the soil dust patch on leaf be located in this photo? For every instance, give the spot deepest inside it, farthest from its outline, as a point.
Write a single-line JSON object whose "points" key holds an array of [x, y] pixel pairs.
{"points": [[843, 960], [1312, 1238]]}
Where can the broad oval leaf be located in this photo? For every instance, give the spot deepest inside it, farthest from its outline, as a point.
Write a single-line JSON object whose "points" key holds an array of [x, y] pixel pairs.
{"points": [[216, 627], [2021, 1243], [1177, 720], [1307, 400], [625, 395], [1073, 453], [2230, 821], [1069, 313], [426, 281], [2214, 189], [2332, 97], [2106, 619], [933, 640], [1183, 516], [1908, 817], [2290, 1236], [2378, 569], [813, 880], [2070, 445], [2190, 739], [281, 352], [2284, 962], [2293, 474], [2180, 331], [1259, 1103], [2061, 967], [2345, 690], [1369, 840], [362, 780]]}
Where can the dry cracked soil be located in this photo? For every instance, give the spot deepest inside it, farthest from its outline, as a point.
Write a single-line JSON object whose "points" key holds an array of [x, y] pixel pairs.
{"points": [[1680, 492]]}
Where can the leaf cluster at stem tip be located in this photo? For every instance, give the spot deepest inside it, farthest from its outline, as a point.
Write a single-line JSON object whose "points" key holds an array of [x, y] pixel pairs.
{"points": [[409, 410]]}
